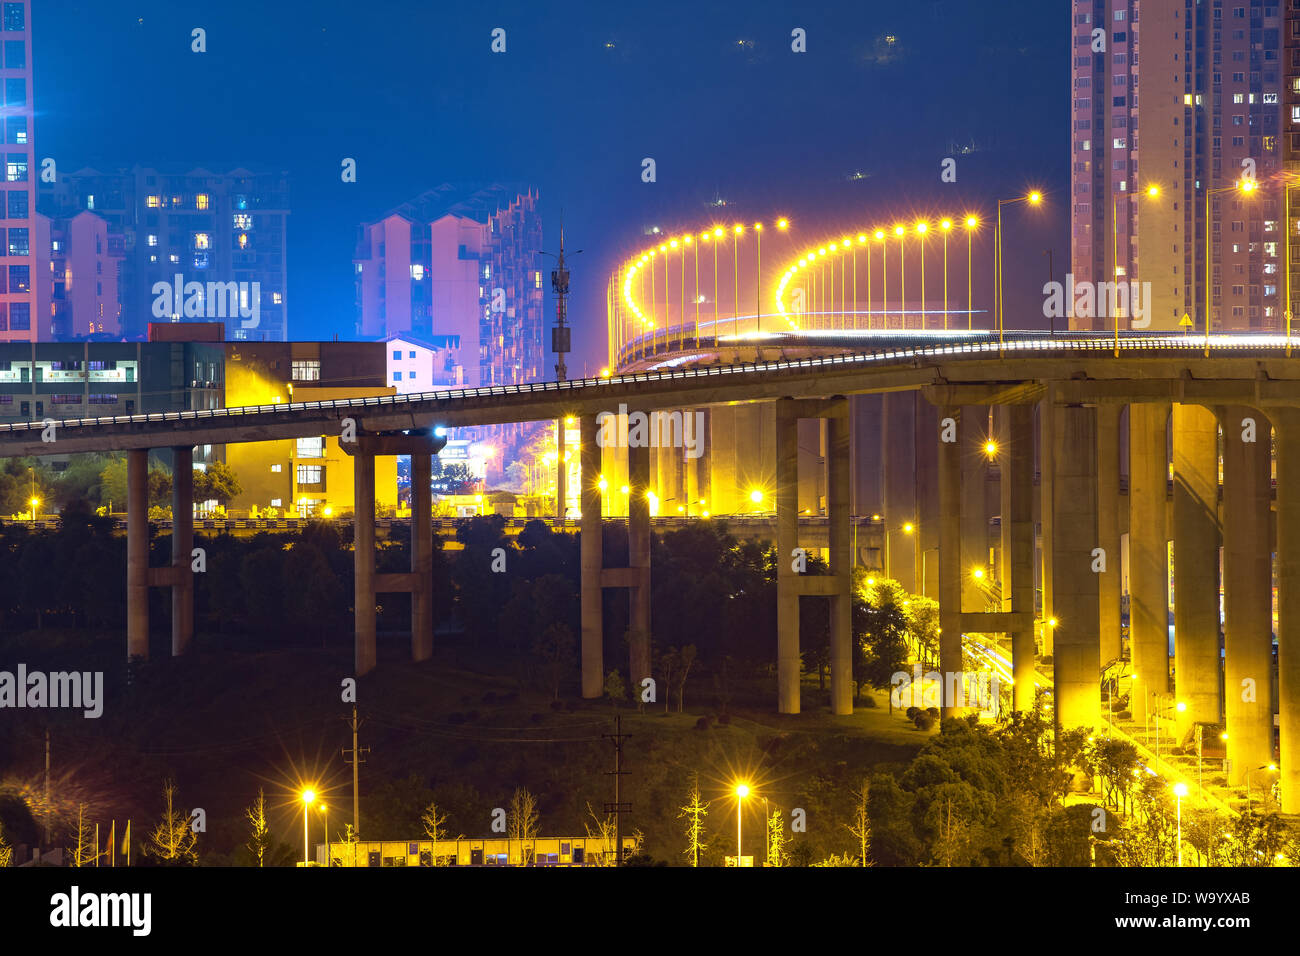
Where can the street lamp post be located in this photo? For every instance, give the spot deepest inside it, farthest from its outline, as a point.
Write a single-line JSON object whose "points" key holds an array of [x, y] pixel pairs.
{"points": [[308, 796], [901, 233], [1034, 198], [921, 229], [742, 791], [1246, 186], [325, 817], [971, 224], [1153, 191], [946, 226]]}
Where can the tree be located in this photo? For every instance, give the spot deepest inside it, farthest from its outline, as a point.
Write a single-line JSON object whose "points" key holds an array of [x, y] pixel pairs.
{"points": [[685, 660], [522, 821], [218, 482], [615, 689], [172, 842], [861, 825], [607, 833], [85, 852], [836, 860], [776, 839], [434, 828], [260, 839], [695, 811], [6, 851], [554, 650]]}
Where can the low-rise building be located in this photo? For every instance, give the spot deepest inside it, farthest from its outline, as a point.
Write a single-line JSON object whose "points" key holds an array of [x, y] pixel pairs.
{"points": [[494, 851]]}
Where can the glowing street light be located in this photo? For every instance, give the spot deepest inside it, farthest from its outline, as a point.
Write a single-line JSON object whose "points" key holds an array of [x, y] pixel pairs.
{"points": [[742, 791], [972, 224], [1034, 199], [756, 496], [308, 798], [991, 448]]}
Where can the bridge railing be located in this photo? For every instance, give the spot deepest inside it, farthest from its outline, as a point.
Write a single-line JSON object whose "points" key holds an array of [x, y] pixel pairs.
{"points": [[918, 348]]}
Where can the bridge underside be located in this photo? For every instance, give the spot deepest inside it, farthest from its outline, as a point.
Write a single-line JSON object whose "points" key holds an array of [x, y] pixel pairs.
{"points": [[798, 433]]}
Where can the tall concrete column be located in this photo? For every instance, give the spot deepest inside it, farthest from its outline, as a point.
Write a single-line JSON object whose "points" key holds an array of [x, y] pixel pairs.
{"points": [[1077, 644], [591, 561], [972, 436], [1247, 591], [1286, 421], [838, 495], [1109, 583], [1196, 566], [925, 544], [561, 471], [137, 553], [182, 547], [950, 569], [421, 557], [1046, 442], [638, 545], [787, 539], [1018, 525], [1147, 547], [898, 440], [363, 560]]}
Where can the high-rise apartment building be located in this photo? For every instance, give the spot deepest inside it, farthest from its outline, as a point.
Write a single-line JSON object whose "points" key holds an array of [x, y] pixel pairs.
{"points": [[193, 229], [24, 313], [1174, 99], [459, 262], [1291, 144]]}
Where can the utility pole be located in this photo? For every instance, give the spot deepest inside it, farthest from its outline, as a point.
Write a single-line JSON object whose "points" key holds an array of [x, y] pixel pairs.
{"points": [[1051, 277], [560, 345], [618, 807], [356, 757]]}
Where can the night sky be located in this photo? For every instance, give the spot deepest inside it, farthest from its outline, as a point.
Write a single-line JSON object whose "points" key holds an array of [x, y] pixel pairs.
{"points": [[413, 93]]}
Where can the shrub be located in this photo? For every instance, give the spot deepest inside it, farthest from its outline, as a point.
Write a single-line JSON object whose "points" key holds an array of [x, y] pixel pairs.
{"points": [[702, 723], [924, 721], [912, 712]]}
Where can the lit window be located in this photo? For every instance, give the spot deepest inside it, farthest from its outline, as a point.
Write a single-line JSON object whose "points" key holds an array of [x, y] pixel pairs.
{"points": [[243, 240], [153, 202], [306, 370], [275, 468], [200, 240], [311, 447], [201, 201], [243, 221], [152, 240], [417, 272], [310, 475]]}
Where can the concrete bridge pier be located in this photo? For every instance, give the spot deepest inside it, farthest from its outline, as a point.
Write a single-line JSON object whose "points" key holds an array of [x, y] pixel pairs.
{"points": [[591, 561], [839, 493], [137, 553], [638, 546], [422, 556], [791, 584], [1196, 567], [1247, 591], [787, 540], [1077, 643], [363, 562], [182, 546], [1286, 421], [1148, 568], [1108, 524], [1018, 537], [418, 582], [1046, 484], [950, 554]]}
